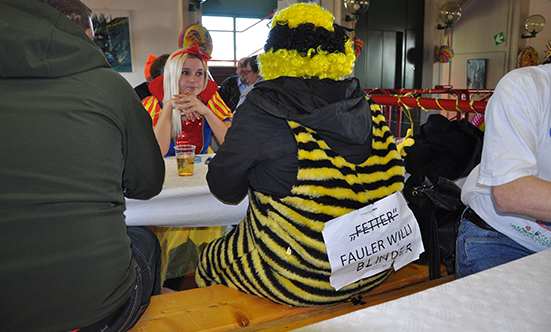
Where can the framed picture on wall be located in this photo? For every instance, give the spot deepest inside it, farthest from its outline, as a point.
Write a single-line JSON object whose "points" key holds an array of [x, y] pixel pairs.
{"points": [[476, 74], [112, 32]]}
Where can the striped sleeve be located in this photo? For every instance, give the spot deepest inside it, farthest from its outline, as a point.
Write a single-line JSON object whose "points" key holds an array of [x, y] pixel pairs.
{"points": [[218, 107], [152, 105]]}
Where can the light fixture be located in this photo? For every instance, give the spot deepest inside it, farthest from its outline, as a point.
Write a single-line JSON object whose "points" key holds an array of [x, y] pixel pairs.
{"points": [[356, 6], [533, 25], [449, 13]]}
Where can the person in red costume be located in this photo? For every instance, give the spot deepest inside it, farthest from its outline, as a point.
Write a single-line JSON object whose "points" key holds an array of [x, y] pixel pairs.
{"points": [[150, 103], [195, 109], [192, 111]]}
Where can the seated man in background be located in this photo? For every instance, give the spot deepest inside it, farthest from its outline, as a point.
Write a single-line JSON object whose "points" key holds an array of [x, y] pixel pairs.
{"points": [[142, 90], [251, 72], [75, 141], [252, 76], [509, 193], [153, 105], [233, 86]]}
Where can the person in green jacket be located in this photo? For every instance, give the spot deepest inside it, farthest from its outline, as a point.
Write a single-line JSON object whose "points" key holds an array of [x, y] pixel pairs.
{"points": [[75, 140]]}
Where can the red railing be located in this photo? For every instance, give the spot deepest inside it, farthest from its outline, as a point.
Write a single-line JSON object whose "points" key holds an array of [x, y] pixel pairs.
{"points": [[393, 100]]}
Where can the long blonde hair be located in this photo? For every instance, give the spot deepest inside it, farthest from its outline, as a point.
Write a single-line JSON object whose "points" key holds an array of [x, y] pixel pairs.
{"points": [[171, 84]]}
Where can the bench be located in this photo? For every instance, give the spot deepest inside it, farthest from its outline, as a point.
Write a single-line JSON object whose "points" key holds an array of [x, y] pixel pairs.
{"points": [[220, 308]]}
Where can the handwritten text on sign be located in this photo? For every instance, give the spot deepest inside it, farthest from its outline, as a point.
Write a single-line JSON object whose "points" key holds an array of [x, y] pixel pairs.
{"points": [[370, 240]]}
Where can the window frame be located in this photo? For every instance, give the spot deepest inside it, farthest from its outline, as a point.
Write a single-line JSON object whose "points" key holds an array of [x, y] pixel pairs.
{"points": [[261, 20]]}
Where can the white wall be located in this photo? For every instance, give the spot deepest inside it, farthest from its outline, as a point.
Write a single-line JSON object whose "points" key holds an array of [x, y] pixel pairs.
{"points": [[156, 25], [154, 28], [473, 38]]}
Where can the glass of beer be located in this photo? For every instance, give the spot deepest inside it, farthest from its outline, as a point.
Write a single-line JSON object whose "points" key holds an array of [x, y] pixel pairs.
{"points": [[185, 158]]}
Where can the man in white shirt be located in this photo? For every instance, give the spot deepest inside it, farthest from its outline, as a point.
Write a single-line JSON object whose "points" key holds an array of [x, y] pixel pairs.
{"points": [[509, 193]]}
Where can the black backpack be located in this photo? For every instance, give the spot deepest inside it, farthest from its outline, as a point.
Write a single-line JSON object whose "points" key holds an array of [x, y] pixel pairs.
{"points": [[436, 203], [444, 151]]}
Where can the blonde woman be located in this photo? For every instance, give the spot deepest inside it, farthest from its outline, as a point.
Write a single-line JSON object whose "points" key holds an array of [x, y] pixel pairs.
{"points": [[193, 109]]}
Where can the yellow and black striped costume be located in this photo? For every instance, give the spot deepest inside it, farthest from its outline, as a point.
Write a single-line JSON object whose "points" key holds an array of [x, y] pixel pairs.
{"points": [[277, 252]]}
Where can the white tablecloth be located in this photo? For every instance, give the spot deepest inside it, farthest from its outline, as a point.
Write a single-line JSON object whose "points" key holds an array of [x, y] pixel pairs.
{"points": [[512, 297], [184, 201]]}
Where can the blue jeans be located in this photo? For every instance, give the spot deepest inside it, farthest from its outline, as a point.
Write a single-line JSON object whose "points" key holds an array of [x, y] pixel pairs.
{"points": [[479, 249], [146, 255]]}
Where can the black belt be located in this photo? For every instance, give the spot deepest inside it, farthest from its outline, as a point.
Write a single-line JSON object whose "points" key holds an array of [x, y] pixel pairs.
{"points": [[471, 216]]}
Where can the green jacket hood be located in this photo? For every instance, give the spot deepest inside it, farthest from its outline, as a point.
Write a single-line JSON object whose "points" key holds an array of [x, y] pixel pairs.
{"points": [[59, 49]]}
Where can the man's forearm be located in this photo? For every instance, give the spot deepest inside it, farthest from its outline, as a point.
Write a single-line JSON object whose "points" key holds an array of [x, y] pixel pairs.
{"points": [[528, 196]]}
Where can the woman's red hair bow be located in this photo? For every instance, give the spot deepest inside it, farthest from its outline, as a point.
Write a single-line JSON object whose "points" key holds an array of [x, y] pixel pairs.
{"points": [[194, 50]]}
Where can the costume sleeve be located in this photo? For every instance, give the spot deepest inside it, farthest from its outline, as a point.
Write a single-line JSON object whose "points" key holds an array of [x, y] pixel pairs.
{"points": [[219, 107], [144, 171], [514, 120], [228, 170], [153, 107], [259, 152]]}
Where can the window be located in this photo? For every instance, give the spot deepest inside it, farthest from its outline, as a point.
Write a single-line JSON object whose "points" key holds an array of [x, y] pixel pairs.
{"points": [[235, 37]]}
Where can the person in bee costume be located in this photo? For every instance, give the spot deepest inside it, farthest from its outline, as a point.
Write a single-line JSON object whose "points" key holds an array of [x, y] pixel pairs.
{"points": [[306, 146]]}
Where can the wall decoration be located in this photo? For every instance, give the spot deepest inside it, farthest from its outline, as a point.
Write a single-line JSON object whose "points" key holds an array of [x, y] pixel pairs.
{"points": [[359, 46], [528, 56], [196, 35], [547, 58], [112, 31], [444, 54], [476, 74]]}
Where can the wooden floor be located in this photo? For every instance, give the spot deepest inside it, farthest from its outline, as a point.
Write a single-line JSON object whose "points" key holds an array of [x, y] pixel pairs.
{"points": [[220, 308]]}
